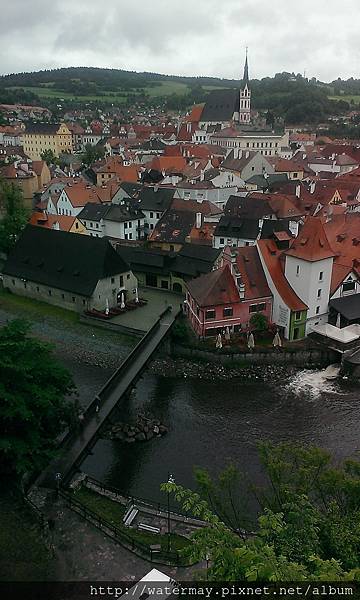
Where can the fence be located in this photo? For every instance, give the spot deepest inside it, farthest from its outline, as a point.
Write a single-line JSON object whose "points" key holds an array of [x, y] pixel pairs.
{"points": [[144, 503], [122, 537]]}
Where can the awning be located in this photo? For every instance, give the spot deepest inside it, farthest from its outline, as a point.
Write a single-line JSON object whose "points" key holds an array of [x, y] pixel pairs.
{"points": [[348, 306]]}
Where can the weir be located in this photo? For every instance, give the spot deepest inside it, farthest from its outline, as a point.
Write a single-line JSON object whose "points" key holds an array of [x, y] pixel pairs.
{"points": [[77, 445]]}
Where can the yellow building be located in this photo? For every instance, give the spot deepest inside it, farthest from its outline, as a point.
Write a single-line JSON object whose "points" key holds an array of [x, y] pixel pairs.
{"points": [[39, 137]]}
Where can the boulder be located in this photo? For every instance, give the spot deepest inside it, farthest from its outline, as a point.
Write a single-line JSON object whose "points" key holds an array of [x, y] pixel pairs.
{"points": [[149, 435], [162, 429], [140, 437], [131, 433]]}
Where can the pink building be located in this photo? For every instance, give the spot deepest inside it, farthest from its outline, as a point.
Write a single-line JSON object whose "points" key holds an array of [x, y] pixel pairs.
{"points": [[230, 295]]}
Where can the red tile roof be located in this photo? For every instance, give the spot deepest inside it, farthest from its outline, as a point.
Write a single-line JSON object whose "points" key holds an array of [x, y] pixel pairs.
{"points": [[311, 244], [271, 256], [215, 288]]}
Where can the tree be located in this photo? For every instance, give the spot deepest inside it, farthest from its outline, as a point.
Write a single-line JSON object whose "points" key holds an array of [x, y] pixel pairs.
{"points": [[15, 217], [308, 526], [259, 322], [34, 409], [49, 157], [92, 154]]}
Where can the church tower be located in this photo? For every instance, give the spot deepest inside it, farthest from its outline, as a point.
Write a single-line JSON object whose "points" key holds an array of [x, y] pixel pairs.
{"points": [[245, 96]]}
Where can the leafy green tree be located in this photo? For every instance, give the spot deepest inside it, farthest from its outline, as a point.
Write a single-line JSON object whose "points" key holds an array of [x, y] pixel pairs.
{"points": [[92, 154], [259, 322], [34, 409], [15, 215], [49, 157], [308, 526]]}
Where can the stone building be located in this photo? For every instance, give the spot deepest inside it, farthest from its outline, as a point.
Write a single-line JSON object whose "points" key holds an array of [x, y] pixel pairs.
{"points": [[77, 272]]}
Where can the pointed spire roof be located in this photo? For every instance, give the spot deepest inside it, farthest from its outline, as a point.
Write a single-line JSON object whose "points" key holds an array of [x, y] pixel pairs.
{"points": [[246, 69], [311, 244]]}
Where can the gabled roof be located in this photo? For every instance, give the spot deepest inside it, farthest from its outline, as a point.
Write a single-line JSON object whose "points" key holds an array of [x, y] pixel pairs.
{"points": [[311, 244], [155, 198], [63, 222], [215, 288], [252, 274], [221, 105], [42, 128], [93, 212], [272, 259], [174, 226], [63, 260], [235, 227]]}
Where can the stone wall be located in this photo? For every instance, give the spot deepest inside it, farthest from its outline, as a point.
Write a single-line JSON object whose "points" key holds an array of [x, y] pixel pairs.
{"points": [[300, 358]]}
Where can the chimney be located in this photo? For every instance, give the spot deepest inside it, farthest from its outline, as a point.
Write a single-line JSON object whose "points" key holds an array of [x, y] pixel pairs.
{"points": [[297, 190], [198, 220], [247, 154], [202, 175], [241, 288]]}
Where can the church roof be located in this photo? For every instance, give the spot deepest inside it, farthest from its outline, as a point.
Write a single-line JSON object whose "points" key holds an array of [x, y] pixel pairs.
{"points": [[221, 105]]}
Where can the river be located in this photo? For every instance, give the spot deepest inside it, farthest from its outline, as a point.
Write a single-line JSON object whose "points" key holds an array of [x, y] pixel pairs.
{"points": [[212, 423]]}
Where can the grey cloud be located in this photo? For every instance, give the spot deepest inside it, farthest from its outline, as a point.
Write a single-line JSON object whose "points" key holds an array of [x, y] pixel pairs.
{"points": [[203, 37]]}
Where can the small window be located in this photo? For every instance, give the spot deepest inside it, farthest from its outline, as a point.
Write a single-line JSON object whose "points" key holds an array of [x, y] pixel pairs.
{"points": [[317, 310], [84, 302], [297, 270], [298, 315], [113, 280], [222, 241], [319, 293], [228, 312], [63, 296], [49, 292], [37, 288], [121, 281], [348, 286], [165, 285], [73, 298], [128, 276], [151, 215], [321, 275], [13, 281], [209, 314]]}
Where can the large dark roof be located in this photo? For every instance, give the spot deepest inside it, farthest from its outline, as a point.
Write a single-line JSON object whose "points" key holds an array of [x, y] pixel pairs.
{"points": [[348, 306], [42, 128], [221, 105], [157, 199], [174, 226], [123, 212], [93, 212], [62, 260], [131, 188], [191, 261], [235, 227], [250, 208]]}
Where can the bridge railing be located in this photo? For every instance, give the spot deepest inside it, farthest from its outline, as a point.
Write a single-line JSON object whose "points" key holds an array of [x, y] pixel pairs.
{"points": [[129, 360]]}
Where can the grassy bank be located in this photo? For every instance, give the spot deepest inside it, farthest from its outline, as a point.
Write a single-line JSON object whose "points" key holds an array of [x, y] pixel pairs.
{"points": [[23, 554], [35, 310], [114, 512]]}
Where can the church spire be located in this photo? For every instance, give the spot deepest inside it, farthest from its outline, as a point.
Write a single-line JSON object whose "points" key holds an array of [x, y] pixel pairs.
{"points": [[246, 68]]}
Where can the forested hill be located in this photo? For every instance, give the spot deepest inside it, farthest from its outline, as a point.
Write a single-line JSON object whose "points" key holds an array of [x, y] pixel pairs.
{"points": [[286, 94]]}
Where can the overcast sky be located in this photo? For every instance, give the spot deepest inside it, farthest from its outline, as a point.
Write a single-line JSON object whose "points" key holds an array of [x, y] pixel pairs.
{"points": [[183, 37]]}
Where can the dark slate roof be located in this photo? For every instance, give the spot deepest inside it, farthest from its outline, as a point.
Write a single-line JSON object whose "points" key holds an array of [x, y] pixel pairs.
{"points": [[269, 227], [42, 128], [221, 105], [236, 227], [153, 144], [157, 199], [93, 212], [174, 226], [123, 212], [131, 188], [348, 306], [249, 208], [62, 260], [188, 263]]}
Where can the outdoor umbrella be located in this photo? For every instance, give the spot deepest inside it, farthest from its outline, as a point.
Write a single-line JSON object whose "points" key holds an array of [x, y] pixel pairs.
{"points": [[107, 310], [251, 341], [136, 295], [227, 334], [122, 304], [277, 340], [218, 341]]}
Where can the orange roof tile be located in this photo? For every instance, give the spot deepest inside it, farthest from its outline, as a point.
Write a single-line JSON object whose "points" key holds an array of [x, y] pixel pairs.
{"points": [[311, 244]]}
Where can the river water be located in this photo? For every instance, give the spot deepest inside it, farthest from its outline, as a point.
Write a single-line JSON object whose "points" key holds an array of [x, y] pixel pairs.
{"points": [[212, 423]]}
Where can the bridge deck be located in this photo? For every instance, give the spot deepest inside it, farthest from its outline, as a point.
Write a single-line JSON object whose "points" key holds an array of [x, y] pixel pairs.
{"points": [[75, 447]]}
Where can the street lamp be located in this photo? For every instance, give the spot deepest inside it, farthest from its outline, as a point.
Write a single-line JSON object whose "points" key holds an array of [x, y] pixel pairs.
{"points": [[170, 480]]}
